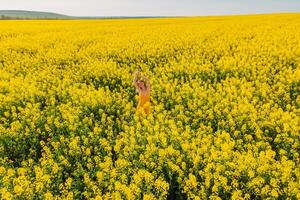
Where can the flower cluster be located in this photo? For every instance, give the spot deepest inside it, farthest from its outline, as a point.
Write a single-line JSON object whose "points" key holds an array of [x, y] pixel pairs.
{"points": [[225, 93]]}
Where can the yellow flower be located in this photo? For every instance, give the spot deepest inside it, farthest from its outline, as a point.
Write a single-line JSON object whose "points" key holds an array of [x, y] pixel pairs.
{"points": [[2, 170], [69, 196], [69, 183], [48, 196], [18, 190], [161, 185], [5, 195], [274, 193]]}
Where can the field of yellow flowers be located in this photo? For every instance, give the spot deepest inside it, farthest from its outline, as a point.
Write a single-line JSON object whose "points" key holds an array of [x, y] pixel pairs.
{"points": [[225, 93]]}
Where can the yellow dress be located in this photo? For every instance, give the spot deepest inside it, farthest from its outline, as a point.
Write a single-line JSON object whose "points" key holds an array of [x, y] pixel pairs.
{"points": [[144, 104]]}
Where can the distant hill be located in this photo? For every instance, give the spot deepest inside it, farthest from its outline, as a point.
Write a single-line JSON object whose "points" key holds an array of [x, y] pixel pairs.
{"points": [[22, 14]]}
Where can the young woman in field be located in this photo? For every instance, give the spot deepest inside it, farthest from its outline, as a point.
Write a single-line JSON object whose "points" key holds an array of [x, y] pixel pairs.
{"points": [[142, 85]]}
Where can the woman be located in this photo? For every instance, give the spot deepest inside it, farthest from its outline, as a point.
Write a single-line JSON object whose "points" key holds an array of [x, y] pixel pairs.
{"points": [[142, 84]]}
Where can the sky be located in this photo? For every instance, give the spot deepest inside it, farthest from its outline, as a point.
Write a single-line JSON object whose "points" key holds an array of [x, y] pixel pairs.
{"points": [[153, 7]]}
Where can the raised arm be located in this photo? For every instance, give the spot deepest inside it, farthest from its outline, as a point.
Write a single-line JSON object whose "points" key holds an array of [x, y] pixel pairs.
{"points": [[148, 84]]}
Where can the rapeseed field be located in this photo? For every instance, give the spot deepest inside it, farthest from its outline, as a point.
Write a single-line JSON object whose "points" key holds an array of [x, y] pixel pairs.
{"points": [[225, 97]]}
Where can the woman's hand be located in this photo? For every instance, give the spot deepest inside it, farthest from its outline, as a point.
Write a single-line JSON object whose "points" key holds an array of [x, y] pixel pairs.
{"points": [[143, 87]]}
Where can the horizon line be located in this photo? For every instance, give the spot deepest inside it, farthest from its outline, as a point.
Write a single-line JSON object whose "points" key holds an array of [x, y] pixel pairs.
{"points": [[157, 16]]}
